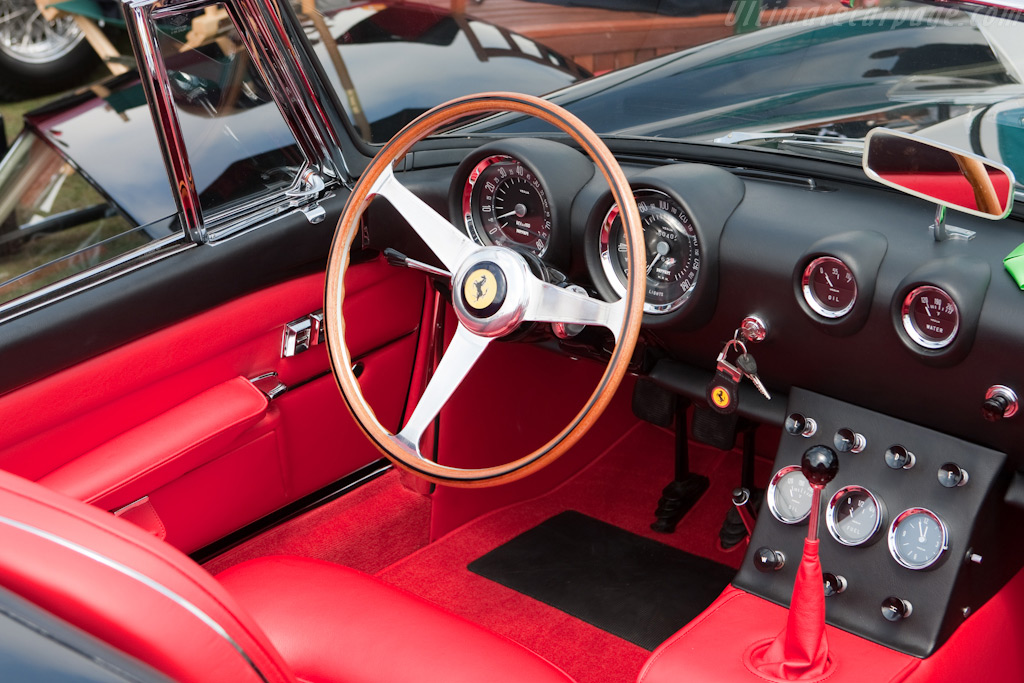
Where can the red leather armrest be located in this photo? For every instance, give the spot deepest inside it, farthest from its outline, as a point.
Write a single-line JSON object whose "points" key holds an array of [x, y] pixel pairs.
{"points": [[158, 451]]}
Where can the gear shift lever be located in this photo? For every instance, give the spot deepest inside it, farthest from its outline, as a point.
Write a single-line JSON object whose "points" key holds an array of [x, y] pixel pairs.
{"points": [[820, 464], [800, 651]]}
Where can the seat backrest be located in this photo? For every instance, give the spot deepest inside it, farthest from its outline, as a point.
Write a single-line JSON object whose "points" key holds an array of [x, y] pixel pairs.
{"points": [[117, 582]]}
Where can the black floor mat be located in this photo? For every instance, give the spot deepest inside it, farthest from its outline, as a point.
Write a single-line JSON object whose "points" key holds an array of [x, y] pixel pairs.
{"points": [[638, 589]]}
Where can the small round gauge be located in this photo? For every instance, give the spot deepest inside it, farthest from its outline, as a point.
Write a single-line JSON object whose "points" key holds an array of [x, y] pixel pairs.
{"points": [[918, 538], [673, 251], [930, 317], [504, 204], [829, 287], [854, 515], [789, 495]]}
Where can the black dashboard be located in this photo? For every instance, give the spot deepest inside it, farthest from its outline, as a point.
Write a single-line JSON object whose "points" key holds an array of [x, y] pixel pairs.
{"points": [[872, 326]]}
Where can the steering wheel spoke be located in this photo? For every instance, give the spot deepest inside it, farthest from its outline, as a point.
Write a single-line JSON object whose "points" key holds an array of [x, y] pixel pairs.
{"points": [[552, 304], [461, 355], [446, 241]]}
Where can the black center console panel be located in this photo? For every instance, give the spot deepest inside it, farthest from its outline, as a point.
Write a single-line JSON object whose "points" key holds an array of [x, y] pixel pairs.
{"points": [[979, 524]]}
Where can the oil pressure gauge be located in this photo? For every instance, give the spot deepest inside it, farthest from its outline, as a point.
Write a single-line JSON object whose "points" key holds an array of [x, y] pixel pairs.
{"points": [[789, 495], [829, 287]]}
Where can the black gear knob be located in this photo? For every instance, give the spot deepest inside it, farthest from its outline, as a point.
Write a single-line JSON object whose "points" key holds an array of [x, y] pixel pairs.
{"points": [[820, 465]]}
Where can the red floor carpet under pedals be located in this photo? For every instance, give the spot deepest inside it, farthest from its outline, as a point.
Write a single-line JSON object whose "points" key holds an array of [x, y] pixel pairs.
{"points": [[621, 488], [383, 528]]}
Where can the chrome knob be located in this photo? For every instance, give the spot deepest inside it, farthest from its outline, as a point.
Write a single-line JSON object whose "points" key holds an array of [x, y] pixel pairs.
{"points": [[895, 609], [1000, 402], [768, 560], [798, 425], [952, 475], [849, 441], [899, 458], [834, 585]]}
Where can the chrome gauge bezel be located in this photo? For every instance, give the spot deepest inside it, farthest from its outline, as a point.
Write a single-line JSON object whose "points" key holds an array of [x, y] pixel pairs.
{"points": [[610, 269], [910, 326], [807, 288], [894, 549], [773, 486], [833, 508], [477, 232]]}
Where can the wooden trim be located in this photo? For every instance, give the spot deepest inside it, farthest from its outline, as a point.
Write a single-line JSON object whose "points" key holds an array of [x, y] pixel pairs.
{"points": [[101, 44], [348, 230]]}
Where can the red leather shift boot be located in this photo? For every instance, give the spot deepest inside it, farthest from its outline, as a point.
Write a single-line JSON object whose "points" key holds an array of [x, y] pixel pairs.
{"points": [[800, 651]]}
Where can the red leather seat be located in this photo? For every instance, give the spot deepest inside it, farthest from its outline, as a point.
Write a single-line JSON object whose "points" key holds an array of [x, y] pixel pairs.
{"points": [[303, 606], [111, 579]]}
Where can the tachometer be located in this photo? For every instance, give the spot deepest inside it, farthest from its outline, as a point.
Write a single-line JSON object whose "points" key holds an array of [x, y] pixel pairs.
{"points": [[673, 251], [504, 204]]}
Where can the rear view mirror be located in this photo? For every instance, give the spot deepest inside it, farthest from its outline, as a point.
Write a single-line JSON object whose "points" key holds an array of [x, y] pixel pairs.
{"points": [[945, 175]]}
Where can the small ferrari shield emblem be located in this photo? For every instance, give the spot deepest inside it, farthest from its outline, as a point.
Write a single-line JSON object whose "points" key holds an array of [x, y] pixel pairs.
{"points": [[480, 288], [721, 397]]}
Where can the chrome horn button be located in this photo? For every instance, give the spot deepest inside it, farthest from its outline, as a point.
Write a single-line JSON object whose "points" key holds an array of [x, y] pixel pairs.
{"points": [[484, 290], [490, 291]]}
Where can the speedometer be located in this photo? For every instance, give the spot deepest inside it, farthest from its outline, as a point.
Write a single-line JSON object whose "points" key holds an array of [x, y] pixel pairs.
{"points": [[673, 251], [504, 204]]}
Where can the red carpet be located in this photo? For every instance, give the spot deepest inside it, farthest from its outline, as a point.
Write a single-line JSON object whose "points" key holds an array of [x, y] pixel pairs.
{"points": [[383, 528], [621, 487], [367, 529]]}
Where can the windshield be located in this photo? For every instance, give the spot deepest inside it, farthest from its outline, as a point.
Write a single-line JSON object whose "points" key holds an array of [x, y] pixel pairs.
{"points": [[792, 75]]}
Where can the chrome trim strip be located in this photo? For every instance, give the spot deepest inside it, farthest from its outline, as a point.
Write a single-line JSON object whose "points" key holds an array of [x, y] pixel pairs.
{"points": [[87, 279], [155, 83], [141, 578]]}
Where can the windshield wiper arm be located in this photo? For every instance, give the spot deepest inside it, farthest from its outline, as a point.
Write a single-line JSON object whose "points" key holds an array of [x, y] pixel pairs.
{"points": [[843, 146]]}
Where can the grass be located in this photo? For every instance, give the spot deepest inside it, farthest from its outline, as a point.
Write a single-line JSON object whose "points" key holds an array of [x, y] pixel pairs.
{"points": [[54, 256], [14, 111]]}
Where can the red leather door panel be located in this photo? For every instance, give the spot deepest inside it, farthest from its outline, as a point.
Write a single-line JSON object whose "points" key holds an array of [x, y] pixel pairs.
{"points": [[172, 416]]}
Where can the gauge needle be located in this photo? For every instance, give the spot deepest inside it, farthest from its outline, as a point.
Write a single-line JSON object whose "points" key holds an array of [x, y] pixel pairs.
{"points": [[506, 215], [920, 527], [927, 310], [828, 280]]}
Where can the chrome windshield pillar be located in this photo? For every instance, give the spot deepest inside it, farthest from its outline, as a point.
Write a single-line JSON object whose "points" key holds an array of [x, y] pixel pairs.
{"points": [[138, 17]]}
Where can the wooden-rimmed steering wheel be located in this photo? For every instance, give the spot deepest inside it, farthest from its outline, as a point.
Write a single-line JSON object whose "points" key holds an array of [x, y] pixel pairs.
{"points": [[493, 292]]}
